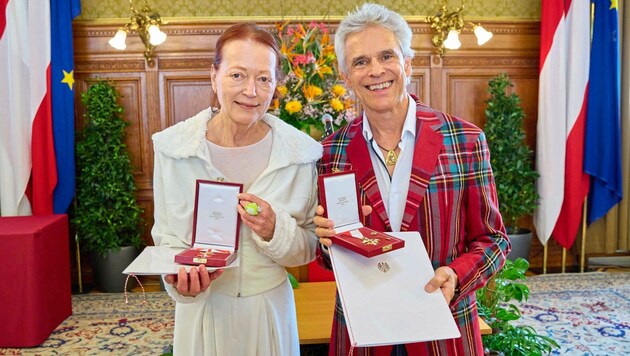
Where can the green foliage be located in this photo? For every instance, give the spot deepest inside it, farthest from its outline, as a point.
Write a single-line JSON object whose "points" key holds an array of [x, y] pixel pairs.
{"points": [[494, 302], [510, 157], [294, 282], [107, 216]]}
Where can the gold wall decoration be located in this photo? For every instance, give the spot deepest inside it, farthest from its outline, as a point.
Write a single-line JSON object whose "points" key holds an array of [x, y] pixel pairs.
{"points": [[299, 9]]}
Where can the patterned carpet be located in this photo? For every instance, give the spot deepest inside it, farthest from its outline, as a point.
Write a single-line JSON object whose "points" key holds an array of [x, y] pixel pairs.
{"points": [[588, 314], [104, 324]]}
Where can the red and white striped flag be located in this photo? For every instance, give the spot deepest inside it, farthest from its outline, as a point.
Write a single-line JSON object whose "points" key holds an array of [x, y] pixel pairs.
{"points": [[563, 88], [27, 155]]}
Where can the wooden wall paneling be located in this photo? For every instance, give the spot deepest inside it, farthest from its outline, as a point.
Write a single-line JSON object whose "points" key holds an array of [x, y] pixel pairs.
{"points": [[527, 89], [420, 84], [184, 94], [435, 82], [464, 89]]}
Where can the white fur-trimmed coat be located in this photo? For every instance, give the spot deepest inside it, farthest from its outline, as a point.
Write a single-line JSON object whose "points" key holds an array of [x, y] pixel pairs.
{"points": [[288, 184]]}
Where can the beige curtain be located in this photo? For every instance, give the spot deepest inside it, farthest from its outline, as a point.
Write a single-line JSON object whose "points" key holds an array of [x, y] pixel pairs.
{"points": [[612, 233]]}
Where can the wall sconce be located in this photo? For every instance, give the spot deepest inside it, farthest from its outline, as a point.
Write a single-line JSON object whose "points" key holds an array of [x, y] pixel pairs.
{"points": [[447, 25], [147, 24]]}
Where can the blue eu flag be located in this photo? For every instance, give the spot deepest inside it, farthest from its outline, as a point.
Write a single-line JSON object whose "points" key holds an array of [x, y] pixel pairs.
{"points": [[62, 88], [602, 141]]}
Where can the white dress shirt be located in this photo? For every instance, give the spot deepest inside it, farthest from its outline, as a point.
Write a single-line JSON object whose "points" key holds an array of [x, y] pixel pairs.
{"points": [[394, 189]]}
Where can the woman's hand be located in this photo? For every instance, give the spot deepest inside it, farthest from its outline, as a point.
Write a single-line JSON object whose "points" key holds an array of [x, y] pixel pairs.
{"points": [[193, 282], [325, 226], [263, 223]]}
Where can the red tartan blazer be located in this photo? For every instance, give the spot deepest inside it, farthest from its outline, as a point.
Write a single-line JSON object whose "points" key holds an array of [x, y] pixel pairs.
{"points": [[452, 202]]}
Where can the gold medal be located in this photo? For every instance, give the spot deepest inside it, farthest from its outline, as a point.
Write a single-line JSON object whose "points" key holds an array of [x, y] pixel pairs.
{"points": [[368, 241], [391, 158]]}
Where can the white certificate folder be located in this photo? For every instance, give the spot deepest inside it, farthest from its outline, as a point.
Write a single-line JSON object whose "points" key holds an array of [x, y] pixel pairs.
{"points": [[156, 260], [383, 297]]}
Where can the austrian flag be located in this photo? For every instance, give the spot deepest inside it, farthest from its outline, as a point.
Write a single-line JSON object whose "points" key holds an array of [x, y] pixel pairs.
{"points": [[563, 90], [28, 163]]}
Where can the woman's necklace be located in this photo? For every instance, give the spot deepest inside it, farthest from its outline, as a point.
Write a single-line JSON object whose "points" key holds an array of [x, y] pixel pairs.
{"points": [[392, 157]]}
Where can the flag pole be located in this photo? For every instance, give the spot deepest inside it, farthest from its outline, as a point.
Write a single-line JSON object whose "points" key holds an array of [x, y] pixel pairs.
{"points": [[564, 259], [545, 258], [76, 241], [583, 249], [78, 252]]}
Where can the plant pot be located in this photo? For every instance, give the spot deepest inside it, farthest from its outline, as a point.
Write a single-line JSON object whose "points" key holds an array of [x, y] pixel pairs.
{"points": [[108, 269], [493, 353], [521, 243]]}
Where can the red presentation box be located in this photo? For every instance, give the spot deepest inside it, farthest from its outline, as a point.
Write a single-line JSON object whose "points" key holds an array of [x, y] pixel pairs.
{"points": [[206, 256], [339, 194], [216, 225], [35, 296]]}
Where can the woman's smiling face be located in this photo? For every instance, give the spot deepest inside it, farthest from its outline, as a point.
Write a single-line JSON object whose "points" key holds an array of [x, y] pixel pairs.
{"points": [[245, 80]]}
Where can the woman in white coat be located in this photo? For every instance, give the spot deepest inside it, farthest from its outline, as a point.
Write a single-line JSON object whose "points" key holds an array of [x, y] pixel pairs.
{"points": [[249, 309]]}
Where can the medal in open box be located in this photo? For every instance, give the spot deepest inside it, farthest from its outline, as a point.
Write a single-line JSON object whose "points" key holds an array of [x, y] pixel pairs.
{"points": [[338, 193], [216, 225]]}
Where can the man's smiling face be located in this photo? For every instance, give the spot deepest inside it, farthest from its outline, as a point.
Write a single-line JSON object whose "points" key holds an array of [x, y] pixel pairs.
{"points": [[377, 71]]}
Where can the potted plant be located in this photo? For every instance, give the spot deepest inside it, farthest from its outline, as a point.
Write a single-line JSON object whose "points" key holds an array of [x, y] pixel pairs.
{"points": [[511, 160], [106, 216], [494, 303]]}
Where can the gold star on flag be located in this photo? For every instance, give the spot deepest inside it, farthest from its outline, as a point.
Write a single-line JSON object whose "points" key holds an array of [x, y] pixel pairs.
{"points": [[613, 5], [68, 78]]}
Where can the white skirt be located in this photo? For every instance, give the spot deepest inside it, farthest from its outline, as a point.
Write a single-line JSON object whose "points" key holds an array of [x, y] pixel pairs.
{"points": [[262, 324]]}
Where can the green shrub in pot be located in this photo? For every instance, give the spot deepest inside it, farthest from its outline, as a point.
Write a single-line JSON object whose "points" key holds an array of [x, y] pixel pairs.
{"points": [[511, 158], [107, 215]]}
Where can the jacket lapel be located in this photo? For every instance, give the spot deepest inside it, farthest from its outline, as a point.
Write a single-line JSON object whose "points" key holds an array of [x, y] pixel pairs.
{"points": [[425, 156], [359, 156]]}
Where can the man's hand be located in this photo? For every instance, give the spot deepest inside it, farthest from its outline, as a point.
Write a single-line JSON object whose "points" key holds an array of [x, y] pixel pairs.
{"points": [[194, 282], [324, 227], [446, 280]]}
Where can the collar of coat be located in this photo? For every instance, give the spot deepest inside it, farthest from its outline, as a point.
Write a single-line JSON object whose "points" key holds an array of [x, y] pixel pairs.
{"points": [[185, 139], [429, 143]]}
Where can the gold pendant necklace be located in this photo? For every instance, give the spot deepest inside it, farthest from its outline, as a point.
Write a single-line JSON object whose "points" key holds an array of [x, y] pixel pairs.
{"points": [[391, 158]]}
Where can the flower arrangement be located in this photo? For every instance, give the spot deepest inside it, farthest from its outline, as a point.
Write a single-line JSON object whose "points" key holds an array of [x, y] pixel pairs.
{"points": [[310, 87]]}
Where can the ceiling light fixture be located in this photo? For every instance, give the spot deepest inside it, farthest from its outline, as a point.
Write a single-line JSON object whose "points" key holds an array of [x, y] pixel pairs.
{"points": [[447, 25], [146, 23]]}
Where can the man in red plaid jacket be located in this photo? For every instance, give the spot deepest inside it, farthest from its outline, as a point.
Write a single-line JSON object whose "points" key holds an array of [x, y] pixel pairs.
{"points": [[418, 169]]}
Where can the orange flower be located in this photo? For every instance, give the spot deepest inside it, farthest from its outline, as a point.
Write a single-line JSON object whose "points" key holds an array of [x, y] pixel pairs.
{"points": [[282, 90], [311, 92], [336, 104], [338, 90], [293, 106]]}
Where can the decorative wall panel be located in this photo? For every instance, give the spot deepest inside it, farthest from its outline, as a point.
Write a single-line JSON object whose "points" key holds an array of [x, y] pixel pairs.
{"points": [[297, 9]]}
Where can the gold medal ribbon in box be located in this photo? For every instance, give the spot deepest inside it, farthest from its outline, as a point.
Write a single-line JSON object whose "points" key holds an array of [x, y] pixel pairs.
{"points": [[357, 233], [203, 254]]}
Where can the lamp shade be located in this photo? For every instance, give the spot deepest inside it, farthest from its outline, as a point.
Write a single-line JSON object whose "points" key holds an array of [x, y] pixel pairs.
{"points": [[482, 34], [156, 36], [118, 41], [452, 40]]}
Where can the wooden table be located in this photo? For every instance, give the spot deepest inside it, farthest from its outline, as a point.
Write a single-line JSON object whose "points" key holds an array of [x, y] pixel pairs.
{"points": [[315, 304]]}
